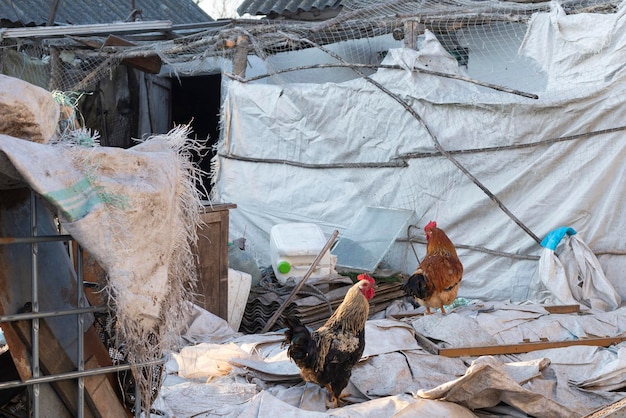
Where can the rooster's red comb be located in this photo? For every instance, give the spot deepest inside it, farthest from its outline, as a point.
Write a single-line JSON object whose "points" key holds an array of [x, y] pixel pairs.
{"points": [[430, 225], [367, 277]]}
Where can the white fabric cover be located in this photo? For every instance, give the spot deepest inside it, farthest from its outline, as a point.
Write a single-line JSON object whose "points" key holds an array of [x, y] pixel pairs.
{"points": [[580, 183]]}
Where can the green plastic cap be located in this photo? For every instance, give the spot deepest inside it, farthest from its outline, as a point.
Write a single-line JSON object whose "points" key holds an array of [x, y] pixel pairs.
{"points": [[284, 267]]}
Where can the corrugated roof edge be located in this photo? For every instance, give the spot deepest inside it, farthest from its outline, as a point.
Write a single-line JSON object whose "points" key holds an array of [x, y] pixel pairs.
{"points": [[265, 7]]}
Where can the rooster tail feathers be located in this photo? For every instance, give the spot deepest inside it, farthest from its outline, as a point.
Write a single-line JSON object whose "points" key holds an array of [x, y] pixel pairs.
{"points": [[417, 285], [298, 338]]}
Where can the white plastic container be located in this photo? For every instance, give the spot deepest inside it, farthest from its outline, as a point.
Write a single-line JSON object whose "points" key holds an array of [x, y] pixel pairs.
{"points": [[239, 283], [294, 247]]}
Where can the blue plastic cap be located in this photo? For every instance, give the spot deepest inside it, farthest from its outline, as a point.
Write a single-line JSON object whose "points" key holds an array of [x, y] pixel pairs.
{"points": [[551, 241]]}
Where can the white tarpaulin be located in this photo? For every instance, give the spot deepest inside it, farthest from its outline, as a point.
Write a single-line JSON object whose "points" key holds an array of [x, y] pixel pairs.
{"points": [[396, 377], [319, 152]]}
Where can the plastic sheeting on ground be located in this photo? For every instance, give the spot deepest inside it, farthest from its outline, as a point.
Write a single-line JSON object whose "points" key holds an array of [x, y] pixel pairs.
{"points": [[397, 378]]}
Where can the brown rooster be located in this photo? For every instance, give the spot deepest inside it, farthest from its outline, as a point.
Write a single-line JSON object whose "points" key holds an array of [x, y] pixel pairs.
{"points": [[326, 356], [436, 281]]}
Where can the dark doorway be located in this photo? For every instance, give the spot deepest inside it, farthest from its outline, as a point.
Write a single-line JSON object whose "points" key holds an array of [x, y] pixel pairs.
{"points": [[196, 100]]}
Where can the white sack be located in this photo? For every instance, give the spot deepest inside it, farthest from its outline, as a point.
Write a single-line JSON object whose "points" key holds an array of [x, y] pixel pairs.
{"points": [[28, 112], [207, 360], [119, 205], [575, 276], [593, 289]]}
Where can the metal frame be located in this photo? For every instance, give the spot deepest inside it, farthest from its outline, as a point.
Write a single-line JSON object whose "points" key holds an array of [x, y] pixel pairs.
{"points": [[35, 315]]}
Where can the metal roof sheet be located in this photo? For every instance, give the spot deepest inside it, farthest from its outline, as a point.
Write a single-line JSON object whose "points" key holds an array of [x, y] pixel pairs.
{"points": [[265, 7], [86, 12]]}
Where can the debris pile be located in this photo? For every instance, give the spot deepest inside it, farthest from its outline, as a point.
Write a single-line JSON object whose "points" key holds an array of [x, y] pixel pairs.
{"points": [[313, 304]]}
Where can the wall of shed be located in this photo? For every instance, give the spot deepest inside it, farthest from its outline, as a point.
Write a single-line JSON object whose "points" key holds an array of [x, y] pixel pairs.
{"points": [[578, 183]]}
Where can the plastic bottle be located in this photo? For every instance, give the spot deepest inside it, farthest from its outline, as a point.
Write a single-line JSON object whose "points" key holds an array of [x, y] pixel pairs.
{"points": [[241, 260]]}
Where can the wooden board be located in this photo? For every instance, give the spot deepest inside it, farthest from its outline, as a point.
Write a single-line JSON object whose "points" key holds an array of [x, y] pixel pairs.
{"points": [[101, 400], [562, 309], [553, 309], [150, 64], [523, 347], [526, 347], [213, 260]]}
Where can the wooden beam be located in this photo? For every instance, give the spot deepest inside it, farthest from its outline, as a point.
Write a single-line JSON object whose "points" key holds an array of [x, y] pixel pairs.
{"points": [[412, 30], [53, 360], [95, 29], [427, 344], [525, 347], [101, 399], [240, 58], [553, 309], [562, 309], [151, 64]]}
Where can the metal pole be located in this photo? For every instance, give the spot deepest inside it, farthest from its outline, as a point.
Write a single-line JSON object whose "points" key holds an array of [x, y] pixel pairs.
{"points": [[80, 296], [35, 305]]}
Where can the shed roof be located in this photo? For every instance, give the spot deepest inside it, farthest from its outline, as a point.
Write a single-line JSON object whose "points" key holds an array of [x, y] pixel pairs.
{"points": [[85, 12], [266, 7]]}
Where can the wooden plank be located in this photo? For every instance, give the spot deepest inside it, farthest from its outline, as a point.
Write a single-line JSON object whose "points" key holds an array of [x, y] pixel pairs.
{"points": [[209, 283], [614, 410], [223, 264], [406, 315], [18, 350], [53, 359], [151, 64], [562, 309], [101, 399], [427, 344], [213, 259], [525, 347], [101, 394]]}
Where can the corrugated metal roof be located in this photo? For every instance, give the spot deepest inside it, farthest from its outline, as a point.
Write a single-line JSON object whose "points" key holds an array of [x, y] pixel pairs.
{"points": [[265, 7], [87, 12]]}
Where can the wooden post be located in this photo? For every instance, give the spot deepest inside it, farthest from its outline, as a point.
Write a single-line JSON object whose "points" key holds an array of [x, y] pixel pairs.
{"points": [[412, 30], [240, 59], [56, 70]]}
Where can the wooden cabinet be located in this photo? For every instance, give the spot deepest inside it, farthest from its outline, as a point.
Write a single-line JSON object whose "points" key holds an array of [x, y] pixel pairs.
{"points": [[213, 259]]}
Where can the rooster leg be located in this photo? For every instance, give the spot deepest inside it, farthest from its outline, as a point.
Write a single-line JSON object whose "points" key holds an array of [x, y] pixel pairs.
{"points": [[333, 398], [428, 312], [443, 311], [337, 401], [342, 396]]}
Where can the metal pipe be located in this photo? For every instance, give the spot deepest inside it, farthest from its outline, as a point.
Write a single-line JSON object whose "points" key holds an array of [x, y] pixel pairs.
{"points": [[30, 240], [80, 319], [35, 305], [76, 374], [38, 315], [138, 400]]}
